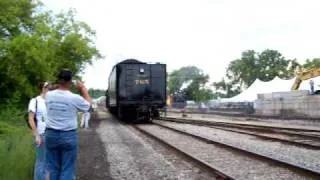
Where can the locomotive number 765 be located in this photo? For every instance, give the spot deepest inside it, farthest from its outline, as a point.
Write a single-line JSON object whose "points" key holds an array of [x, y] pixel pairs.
{"points": [[142, 82]]}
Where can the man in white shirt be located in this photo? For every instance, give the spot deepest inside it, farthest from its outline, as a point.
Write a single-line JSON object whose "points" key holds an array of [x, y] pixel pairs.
{"points": [[61, 135], [37, 121]]}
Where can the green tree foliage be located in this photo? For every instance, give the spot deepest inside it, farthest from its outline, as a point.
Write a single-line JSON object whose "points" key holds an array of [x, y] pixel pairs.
{"points": [[197, 91], [178, 77], [196, 81], [35, 45], [96, 93], [14, 15], [252, 65], [226, 89], [314, 63], [265, 66]]}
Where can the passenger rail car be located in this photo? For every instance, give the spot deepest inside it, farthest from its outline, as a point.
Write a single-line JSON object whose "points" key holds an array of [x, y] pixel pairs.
{"points": [[136, 90]]}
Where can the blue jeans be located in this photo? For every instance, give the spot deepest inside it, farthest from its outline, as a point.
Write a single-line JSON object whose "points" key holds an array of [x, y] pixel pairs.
{"points": [[39, 167], [61, 155]]}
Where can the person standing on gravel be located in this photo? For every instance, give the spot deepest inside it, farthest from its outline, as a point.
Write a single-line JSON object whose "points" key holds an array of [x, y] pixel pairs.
{"points": [[85, 118], [61, 135], [311, 86], [37, 122]]}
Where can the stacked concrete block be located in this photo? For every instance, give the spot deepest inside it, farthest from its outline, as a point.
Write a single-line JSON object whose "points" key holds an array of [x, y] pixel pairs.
{"points": [[283, 95], [293, 104], [290, 94]]}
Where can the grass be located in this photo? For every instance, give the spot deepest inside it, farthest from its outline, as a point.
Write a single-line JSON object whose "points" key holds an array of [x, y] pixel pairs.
{"points": [[16, 150]]}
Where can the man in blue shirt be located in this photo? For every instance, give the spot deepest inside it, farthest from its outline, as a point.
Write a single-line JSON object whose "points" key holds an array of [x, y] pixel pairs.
{"points": [[61, 135]]}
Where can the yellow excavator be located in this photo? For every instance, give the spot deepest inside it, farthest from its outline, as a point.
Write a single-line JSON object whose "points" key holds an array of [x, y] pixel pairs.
{"points": [[304, 74]]}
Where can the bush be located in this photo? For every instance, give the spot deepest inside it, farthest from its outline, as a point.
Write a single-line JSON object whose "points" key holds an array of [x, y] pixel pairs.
{"points": [[17, 154]]}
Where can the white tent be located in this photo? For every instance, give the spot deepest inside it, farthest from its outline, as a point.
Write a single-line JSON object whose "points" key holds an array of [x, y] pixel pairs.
{"points": [[259, 87], [248, 94], [275, 85]]}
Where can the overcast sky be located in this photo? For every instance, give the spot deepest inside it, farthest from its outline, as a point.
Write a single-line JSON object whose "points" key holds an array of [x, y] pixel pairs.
{"points": [[205, 33]]}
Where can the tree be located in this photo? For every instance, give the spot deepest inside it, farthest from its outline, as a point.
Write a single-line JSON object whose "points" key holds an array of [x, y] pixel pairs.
{"points": [[314, 63], [35, 45], [192, 81], [265, 66], [226, 89], [96, 93], [178, 77], [242, 72], [197, 91], [15, 16]]}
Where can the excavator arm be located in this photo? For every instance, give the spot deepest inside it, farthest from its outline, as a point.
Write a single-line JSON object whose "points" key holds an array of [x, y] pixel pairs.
{"points": [[305, 75]]}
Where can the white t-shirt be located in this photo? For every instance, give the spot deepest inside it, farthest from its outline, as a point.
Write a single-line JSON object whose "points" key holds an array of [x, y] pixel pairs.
{"points": [[62, 107], [41, 112]]}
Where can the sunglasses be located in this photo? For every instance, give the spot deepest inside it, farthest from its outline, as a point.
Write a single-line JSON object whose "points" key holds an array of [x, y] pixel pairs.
{"points": [[46, 85]]}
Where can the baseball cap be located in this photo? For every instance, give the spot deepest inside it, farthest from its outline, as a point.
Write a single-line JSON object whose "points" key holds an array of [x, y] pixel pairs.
{"points": [[65, 75]]}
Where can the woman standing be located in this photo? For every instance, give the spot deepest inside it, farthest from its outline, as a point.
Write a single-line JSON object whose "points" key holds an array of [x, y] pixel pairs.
{"points": [[37, 121]]}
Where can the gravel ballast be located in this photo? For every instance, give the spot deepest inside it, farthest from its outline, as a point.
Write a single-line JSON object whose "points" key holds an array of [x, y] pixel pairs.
{"points": [[281, 122], [132, 155], [308, 158], [236, 164]]}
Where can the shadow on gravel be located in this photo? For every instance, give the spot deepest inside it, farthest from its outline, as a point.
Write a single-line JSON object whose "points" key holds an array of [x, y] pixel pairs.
{"points": [[92, 157]]}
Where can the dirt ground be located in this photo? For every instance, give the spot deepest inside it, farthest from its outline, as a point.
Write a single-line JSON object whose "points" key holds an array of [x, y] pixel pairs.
{"points": [[92, 158]]}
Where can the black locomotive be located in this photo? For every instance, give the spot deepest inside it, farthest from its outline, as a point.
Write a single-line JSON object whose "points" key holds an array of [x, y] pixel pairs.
{"points": [[136, 90], [179, 100]]}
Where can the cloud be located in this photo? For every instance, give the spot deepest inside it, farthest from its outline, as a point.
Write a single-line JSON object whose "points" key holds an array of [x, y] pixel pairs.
{"points": [[205, 33]]}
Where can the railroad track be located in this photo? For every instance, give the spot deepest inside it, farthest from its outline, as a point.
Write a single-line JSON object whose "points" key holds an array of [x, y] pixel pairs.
{"points": [[298, 137], [227, 161]]}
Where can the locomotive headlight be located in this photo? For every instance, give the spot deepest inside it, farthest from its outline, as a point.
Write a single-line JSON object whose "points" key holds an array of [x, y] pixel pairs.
{"points": [[141, 70]]}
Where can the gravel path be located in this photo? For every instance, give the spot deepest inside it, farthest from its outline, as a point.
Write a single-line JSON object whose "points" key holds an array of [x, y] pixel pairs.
{"points": [[233, 163], [131, 155], [297, 155], [92, 157]]}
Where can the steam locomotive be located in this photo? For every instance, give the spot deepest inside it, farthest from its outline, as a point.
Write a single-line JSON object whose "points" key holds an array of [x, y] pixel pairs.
{"points": [[136, 90]]}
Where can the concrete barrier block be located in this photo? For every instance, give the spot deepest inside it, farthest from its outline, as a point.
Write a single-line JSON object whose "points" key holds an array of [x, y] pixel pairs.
{"points": [[315, 99], [258, 103], [264, 111], [288, 105], [302, 110], [302, 105], [268, 96], [298, 102], [270, 106], [313, 105], [278, 106], [261, 104], [276, 112], [269, 101], [264, 96], [260, 97], [308, 99], [313, 113], [290, 94], [272, 112], [308, 112]]}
